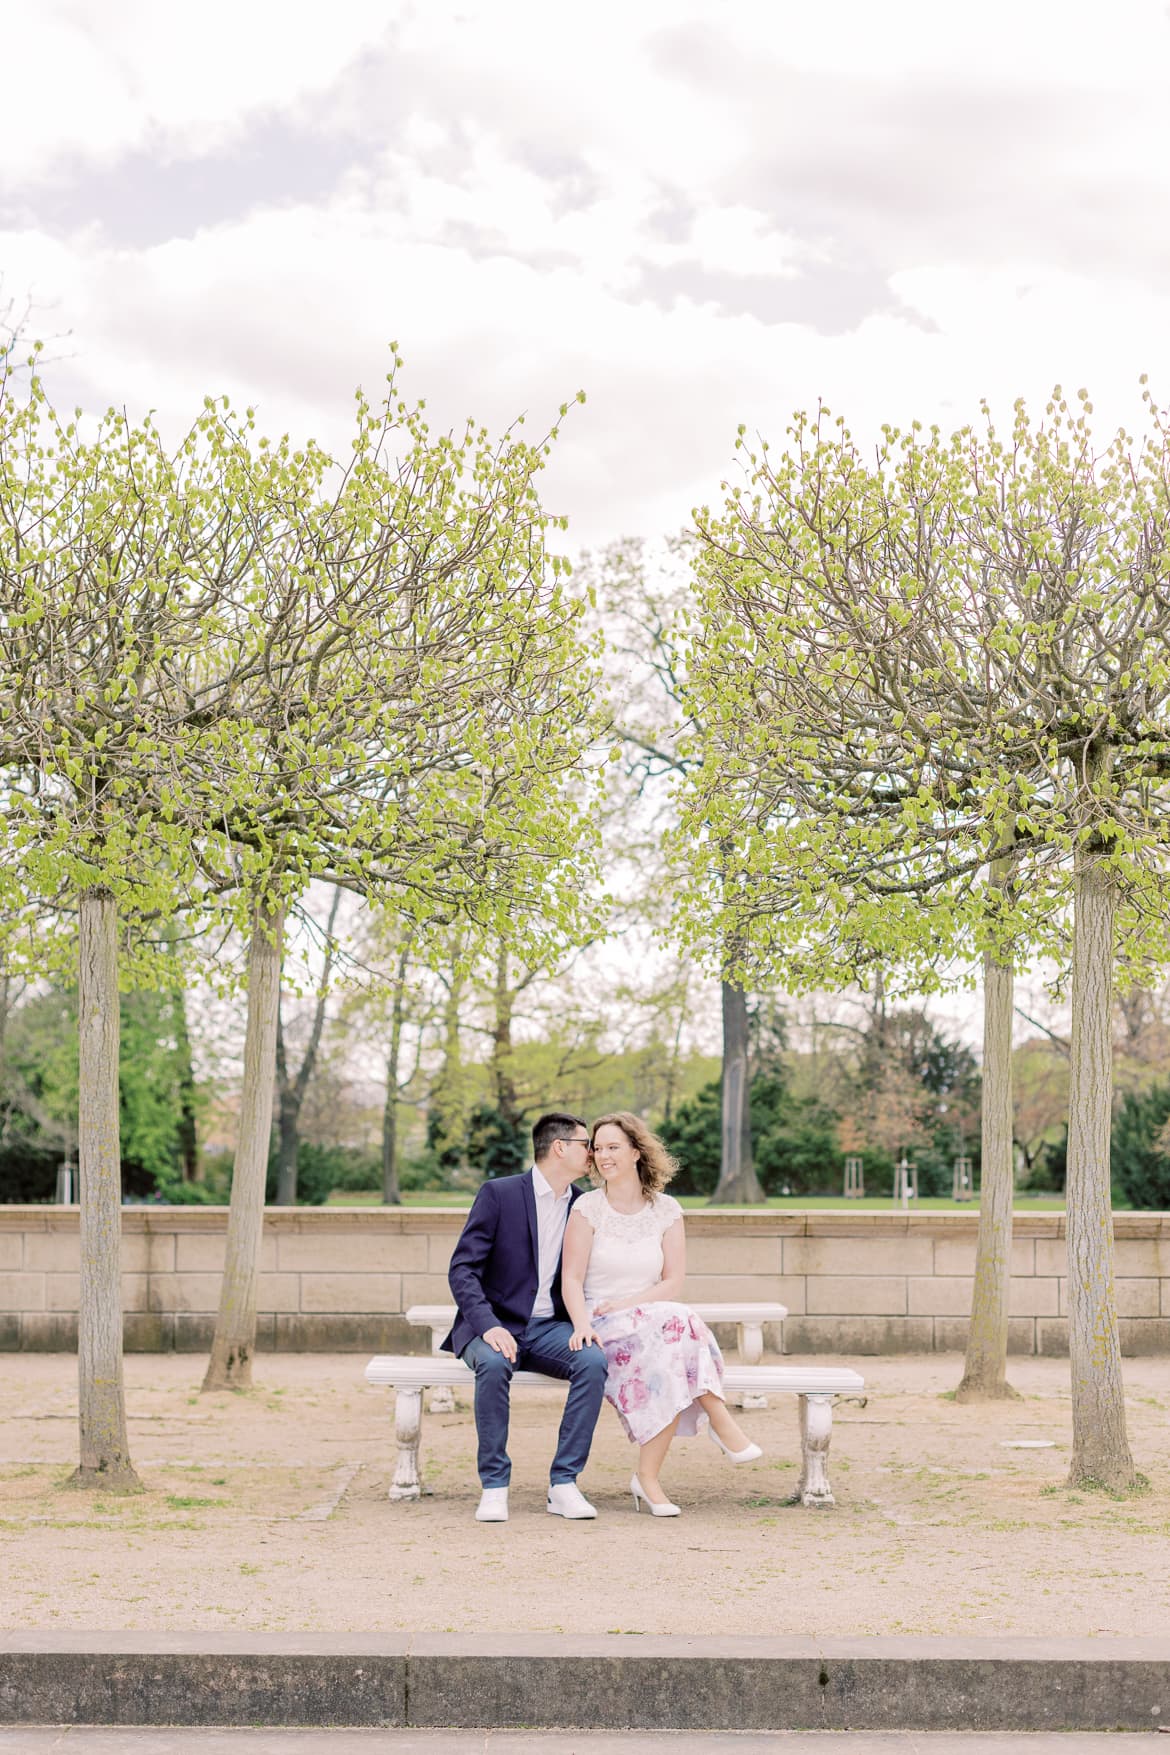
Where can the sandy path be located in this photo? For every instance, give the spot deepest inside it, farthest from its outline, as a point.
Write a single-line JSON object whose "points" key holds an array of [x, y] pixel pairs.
{"points": [[938, 1529]]}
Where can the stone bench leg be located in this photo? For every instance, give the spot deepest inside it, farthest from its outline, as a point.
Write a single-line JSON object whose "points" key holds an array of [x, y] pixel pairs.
{"points": [[442, 1399], [816, 1429], [751, 1351], [407, 1431]]}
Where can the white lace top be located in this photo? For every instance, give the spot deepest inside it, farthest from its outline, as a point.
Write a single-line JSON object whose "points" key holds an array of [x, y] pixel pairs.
{"points": [[626, 1256]]}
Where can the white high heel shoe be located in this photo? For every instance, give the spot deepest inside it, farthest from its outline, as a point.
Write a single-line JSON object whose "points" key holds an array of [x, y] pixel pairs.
{"points": [[640, 1498], [748, 1454]]}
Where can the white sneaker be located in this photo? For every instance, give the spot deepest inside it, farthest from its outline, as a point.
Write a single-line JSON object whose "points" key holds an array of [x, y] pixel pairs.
{"points": [[493, 1505], [566, 1499]]}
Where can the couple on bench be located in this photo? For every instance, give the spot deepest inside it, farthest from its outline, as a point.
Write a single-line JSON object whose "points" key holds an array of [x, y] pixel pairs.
{"points": [[586, 1286]]}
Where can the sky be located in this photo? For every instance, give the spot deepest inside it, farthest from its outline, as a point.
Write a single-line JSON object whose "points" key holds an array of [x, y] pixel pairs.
{"points": [[700, 213]]}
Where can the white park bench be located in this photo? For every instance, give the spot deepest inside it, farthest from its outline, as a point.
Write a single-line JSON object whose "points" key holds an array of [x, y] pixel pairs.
{"points": [[749, 1320], [816, 1386]]}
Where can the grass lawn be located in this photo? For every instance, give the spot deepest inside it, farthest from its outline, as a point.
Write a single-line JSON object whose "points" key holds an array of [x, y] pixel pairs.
{"points": [[1024, 1203]]}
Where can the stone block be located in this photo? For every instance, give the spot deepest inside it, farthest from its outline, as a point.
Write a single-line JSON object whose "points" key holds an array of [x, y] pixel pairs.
{"points": [[956, 1255], [1137, 1258], [279, 1292], [193, 1330], [1134, 1258], [62, 1291], [148, 1332], [328, 1332], [1134, 1297], [439, 1252], [50, 1331], [185, 1291], [53, 1252], [789, 1290], [729, 1288], [353, 1252], [1052, 1337], [1141, 1336], [148, 1252], [425, 1289], [859, 1334], [734, 1255], [1051, 1256], [950, 1334], [1034, 1297], [380, 1294], [949, 1296], [22, 1291], [9, 1332], [135, 1292], [204, 1253], [194, 1681], [841, 1257], [855, 1295], [11, 1251]]}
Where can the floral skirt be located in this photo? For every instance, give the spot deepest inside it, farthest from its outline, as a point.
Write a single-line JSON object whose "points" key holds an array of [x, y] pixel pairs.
{"points": [[660, 1357]]}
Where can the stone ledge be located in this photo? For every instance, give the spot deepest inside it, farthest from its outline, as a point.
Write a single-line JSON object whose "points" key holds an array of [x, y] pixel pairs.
{"points": [[597, 1682]]}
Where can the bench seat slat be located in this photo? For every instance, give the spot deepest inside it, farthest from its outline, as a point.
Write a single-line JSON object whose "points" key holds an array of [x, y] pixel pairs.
{"points": [[443, 1315], [416, 1371]]}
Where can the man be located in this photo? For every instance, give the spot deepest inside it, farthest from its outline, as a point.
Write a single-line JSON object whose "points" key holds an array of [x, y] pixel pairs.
{"points": [[506, 1277]]}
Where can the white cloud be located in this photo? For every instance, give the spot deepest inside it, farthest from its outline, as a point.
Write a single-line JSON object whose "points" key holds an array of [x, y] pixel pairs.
{"points": [[86, 83], [699, 213]]}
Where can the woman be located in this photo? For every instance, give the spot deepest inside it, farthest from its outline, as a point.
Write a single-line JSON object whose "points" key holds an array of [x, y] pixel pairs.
{"points": [[622, 1275]]}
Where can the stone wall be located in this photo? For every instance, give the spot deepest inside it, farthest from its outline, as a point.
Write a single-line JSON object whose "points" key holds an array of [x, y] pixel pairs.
{"points": [[339, 1279]]}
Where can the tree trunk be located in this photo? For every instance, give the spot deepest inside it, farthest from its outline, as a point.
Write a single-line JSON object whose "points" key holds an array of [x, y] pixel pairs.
{"points": [[291, 1092], [105, 1450], [503, 1083], [985, 1368], [188, 1125], [288, 1112], [230, 1365], [449, 1095], [738, 1184], [391, 1193], [1100, 1454]]}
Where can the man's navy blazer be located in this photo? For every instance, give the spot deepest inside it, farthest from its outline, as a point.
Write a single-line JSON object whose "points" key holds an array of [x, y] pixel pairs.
{"points": [[494, 1270]]}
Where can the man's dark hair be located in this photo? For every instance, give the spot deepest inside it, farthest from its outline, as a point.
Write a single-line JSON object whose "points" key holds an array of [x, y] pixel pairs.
{"points": [[556, 1126]]}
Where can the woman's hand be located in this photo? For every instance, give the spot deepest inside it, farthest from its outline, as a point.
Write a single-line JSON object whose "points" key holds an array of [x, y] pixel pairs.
{"points": [[582, 1337], [609, 1305]]}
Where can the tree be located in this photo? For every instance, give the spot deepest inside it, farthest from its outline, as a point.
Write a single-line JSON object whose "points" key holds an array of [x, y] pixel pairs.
{"points": [[1139, 1159], [411, 694], [107, 546], [986, 625], [835, 795], [667, 742]]}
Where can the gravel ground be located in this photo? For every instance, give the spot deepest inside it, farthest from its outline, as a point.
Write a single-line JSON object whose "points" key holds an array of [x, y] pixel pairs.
{"points": [[268, 1510]]}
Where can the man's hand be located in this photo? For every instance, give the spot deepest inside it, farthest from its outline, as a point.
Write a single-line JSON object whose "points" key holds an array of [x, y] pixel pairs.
{"points": [[582, 1337], [504, 1341]]}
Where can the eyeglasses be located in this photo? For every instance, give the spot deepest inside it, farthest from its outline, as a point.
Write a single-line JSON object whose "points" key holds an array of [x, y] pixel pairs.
{"points": [[576, 1140]]}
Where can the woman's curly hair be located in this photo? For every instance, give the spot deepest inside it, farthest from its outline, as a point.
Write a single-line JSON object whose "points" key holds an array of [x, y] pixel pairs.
{"points": [[655, 1164]]}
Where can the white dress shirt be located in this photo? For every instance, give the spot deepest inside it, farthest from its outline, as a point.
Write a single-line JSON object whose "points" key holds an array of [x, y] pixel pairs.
{"points": [[552, 1212]]}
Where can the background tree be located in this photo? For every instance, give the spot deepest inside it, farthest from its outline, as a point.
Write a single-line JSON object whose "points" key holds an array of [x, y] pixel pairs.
{"points": [[407, 699], [291, 1086], [657, 722], [1005, 605], [105, 546]]}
